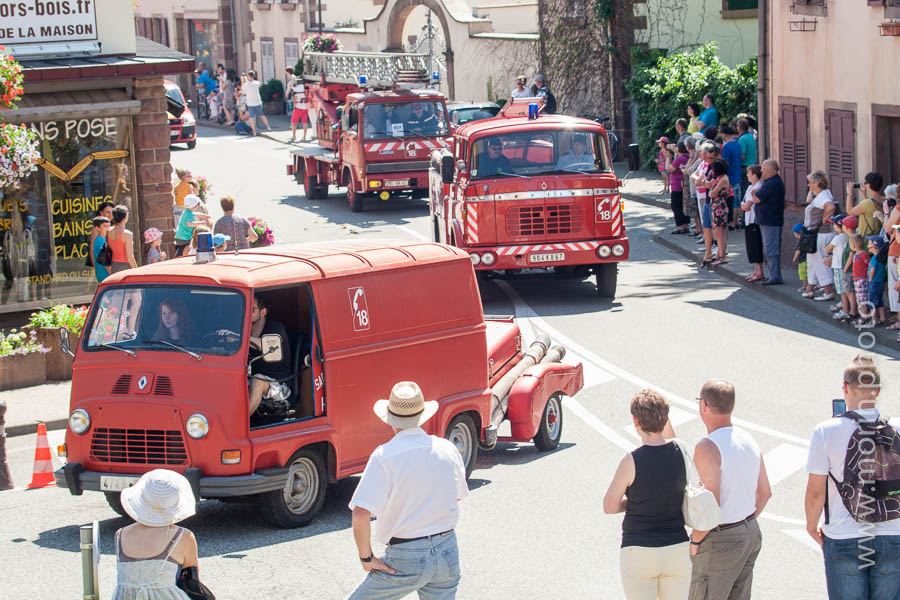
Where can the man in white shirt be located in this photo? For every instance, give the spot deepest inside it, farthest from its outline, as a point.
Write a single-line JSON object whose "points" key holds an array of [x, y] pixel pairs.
{"points": [[520, 91], [860, 558], [254, 101], [412, 485], [731, 467]]}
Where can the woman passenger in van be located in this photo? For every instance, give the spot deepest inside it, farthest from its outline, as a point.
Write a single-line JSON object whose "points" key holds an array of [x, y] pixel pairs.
{"points": [[175, 325]]}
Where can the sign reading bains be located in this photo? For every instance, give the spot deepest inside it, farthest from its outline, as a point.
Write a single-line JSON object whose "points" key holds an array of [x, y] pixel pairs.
{"points": [[47, 21]]}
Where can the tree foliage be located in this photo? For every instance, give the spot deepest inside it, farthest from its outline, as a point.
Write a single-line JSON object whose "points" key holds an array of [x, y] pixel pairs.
{"points": [[662, 86]]}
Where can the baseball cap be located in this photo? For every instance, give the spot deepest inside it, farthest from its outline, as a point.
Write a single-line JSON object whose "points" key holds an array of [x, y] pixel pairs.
{"points": [[539, 78], [878, 240], [837, 219], [797, 228], [851, 222], [663, 139], [191, 200], [219, 239]]}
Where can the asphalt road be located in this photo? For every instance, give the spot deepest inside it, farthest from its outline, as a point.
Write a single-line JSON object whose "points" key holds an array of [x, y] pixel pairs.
{"points": [[533, 525]]}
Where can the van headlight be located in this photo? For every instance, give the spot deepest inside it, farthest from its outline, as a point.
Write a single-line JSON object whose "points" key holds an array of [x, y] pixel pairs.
{"points": [[197, 426], [79, 421]]}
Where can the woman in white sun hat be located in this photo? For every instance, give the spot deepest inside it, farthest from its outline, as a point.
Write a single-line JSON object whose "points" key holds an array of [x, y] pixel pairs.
{"points": [[151, 551]]}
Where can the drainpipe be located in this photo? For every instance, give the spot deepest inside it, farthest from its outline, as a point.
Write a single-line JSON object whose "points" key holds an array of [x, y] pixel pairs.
{"points": [[762, 83]]}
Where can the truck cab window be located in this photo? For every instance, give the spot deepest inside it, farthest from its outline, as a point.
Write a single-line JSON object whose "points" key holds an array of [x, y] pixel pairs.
{"points": [[404, 119], [537, 153]]}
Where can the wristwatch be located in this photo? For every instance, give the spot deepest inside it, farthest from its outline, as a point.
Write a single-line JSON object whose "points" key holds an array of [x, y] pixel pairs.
{"points": [[367, 559]]}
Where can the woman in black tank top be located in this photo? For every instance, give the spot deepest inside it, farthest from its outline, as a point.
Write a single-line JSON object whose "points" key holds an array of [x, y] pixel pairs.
{"points": [[649, 487]]}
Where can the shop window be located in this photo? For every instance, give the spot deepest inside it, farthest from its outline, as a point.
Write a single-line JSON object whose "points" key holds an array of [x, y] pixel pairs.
{"points": [[737, 9], [205, 43], [45, 225]]}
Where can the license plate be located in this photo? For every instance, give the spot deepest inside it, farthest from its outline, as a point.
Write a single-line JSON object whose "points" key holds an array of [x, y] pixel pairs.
{"points": [[542, 258], [173, 134], [396, 182], [113, 483]]}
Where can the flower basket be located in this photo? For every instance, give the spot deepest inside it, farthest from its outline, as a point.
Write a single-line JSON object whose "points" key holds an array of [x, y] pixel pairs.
{"points": [[890, 28], [266, 237], [322, 43], [22, 370], [46, 324]]}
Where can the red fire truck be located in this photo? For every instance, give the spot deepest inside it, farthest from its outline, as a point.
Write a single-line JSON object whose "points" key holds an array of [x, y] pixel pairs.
{"points": [[375, 130], [142, 400], [535, 191]]}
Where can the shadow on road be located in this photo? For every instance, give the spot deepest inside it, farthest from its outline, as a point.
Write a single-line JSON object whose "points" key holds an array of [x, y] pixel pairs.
{"points": [[377, 213], [513, 453]]}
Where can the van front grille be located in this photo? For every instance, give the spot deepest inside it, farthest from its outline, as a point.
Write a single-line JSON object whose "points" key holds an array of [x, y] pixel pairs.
{"points": [[138, 446], [163, 386], [526, 221], [122, 385]]}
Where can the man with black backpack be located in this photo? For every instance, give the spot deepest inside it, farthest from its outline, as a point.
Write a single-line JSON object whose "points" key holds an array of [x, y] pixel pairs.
{"points": [[541, 90], [854, 476]]}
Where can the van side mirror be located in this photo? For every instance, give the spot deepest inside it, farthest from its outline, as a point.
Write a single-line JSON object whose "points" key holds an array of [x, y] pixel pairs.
{"points": [[634, 157], [64, 343], [271, 347], [447, 168], [307, 361]]}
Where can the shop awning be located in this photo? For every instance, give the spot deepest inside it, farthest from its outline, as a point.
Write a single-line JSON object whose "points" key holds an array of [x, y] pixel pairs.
{"points": [[84, 104]]}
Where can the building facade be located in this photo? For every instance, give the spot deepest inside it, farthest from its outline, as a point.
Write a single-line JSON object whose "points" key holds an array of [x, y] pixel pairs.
{"points": [[838, 108], [97, 103]]}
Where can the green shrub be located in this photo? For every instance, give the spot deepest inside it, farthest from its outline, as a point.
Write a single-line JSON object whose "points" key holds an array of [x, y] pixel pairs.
{"points": [[662, 86], [271, 90]]}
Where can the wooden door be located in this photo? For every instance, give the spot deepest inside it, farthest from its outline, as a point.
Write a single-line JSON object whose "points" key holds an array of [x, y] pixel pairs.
{"points": [[841, 135], [794, 141], [887, 147]]}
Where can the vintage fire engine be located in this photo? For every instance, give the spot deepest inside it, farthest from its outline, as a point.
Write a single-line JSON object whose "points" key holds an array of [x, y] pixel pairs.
{"points": [[375, 130], [530, 191], [142, 400]]}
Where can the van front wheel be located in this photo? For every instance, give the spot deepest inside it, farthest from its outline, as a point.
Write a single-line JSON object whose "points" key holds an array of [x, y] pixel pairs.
{"points": [[301, 498], [461, 431], [114, 499]]}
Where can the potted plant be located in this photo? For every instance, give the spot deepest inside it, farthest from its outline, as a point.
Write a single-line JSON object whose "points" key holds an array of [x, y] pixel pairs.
{"points": [[47, 323], [327, 42], [22, 360], [272, 95], [18, 143], [265, 236]]}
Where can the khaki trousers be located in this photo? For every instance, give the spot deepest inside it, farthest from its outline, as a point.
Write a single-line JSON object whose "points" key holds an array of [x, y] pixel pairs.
{"points": [[651, 573], [723, 566]]}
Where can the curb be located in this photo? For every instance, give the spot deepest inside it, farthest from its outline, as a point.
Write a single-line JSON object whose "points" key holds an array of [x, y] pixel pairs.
{"points": [[645, 200], [29, 428], [266, 134]]}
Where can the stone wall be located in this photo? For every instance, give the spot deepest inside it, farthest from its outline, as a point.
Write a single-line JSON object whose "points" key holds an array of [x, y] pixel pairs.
{"points": [[152, 159]]}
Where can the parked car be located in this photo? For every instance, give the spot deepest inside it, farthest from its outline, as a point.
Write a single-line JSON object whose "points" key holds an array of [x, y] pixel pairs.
{"points": [[182, 124], [463, 112]]}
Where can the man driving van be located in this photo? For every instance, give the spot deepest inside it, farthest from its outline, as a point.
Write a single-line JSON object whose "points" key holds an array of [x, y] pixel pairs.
{"points": [[494, 162], [420, 122], [267, 379], [577, 156]]}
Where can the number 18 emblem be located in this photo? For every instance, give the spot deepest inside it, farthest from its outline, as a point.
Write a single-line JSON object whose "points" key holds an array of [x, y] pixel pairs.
{"points": [[359, 308]]}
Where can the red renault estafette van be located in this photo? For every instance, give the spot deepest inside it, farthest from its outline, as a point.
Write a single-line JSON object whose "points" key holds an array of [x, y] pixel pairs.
{"points": [[161, 370]]}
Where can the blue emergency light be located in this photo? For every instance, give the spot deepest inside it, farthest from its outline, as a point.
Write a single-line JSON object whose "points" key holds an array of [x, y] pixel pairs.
{"points": [[436, 76], [205, 251], [363, 80], [533, 111]]}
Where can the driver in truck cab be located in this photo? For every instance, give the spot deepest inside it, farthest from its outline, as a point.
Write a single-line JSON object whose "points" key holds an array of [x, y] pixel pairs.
{"points": [[419, 122], [388, 120], [577, 156], [494, 163], [267, 379]]}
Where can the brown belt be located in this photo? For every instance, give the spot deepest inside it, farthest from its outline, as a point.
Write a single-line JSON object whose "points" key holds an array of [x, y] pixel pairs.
{"points": [[725, 526], [396, 540]]}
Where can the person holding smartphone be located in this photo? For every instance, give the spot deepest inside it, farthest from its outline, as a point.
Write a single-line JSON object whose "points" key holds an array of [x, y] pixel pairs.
{"points": [[870, 191], [859, 557]]}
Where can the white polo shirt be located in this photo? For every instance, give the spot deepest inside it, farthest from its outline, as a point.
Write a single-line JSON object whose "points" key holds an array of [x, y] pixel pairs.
{"points": [[412, 485], [827, 450]]}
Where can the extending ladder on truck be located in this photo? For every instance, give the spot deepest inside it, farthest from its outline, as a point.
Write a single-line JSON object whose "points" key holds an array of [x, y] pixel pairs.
{"points": [[381, 69]]}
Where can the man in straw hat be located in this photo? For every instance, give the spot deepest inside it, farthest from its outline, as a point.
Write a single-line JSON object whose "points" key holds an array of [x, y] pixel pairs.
{"points": [[412, 485]]}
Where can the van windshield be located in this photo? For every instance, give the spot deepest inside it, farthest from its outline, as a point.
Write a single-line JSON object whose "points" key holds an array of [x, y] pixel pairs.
{"points": [[404, 119], [167, 318]]}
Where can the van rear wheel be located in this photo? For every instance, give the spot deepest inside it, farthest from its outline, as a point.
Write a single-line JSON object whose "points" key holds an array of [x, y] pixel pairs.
{"points": [[461, 431], [310, 186], [550, 430], [114, 499], [301, 498]]}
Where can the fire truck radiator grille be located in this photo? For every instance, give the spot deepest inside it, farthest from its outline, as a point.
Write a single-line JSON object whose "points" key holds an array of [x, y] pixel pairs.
{"points": [[122, 385], [556, 219], [138, 446], [163, 386]]}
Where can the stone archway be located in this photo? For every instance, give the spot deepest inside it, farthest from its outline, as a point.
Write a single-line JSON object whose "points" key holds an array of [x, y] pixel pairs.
{"points": [[400, 12]]}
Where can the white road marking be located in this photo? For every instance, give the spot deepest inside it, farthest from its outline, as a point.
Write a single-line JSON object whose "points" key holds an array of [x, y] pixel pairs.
{"points": [[801, 536], [413, 233], [524, 311], [599, 426], [783, 461], [676, 416], [206, 141]]}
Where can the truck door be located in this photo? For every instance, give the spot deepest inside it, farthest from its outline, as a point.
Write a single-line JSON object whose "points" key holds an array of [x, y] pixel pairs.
{"points": [[317, 363]]}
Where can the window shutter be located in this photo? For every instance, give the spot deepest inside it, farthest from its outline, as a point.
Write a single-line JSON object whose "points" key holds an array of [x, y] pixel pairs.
{"points": [[841, 158]]}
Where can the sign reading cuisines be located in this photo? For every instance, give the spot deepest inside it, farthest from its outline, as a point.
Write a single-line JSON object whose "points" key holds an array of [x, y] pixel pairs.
{"points": [[47, 21]]}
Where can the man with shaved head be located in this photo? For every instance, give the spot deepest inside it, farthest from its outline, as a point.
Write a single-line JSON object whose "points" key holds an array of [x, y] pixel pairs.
{"points": [[769, 199]]}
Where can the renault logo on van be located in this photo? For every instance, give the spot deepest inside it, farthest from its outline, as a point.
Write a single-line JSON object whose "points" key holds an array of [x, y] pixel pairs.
{"points": [[142, 382]]}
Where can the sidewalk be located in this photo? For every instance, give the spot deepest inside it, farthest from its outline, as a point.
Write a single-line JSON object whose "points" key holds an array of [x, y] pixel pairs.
{"points": [[281, 128], [26, 407], [644, 187]]}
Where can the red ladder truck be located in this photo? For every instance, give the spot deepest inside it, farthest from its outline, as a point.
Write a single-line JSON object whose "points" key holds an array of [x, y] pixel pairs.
{"points": [[376, 126]]}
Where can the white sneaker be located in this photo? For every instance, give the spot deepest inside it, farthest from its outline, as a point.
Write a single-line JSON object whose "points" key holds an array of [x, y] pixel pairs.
{"points": [[839, 315], [824, 298], [807, 294]]}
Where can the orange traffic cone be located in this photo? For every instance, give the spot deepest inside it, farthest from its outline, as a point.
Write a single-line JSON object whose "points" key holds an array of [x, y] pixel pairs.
{"points": [[43, 461]]}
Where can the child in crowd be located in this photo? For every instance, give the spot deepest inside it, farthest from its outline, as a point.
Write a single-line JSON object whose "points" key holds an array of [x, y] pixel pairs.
{"points": [[219, 241], [861, 260], [800, 259], [101, 223], [197, 231], [848, 226], [661, 163], [877, 275], [215, 105], [153, 238], [835, 258]]}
